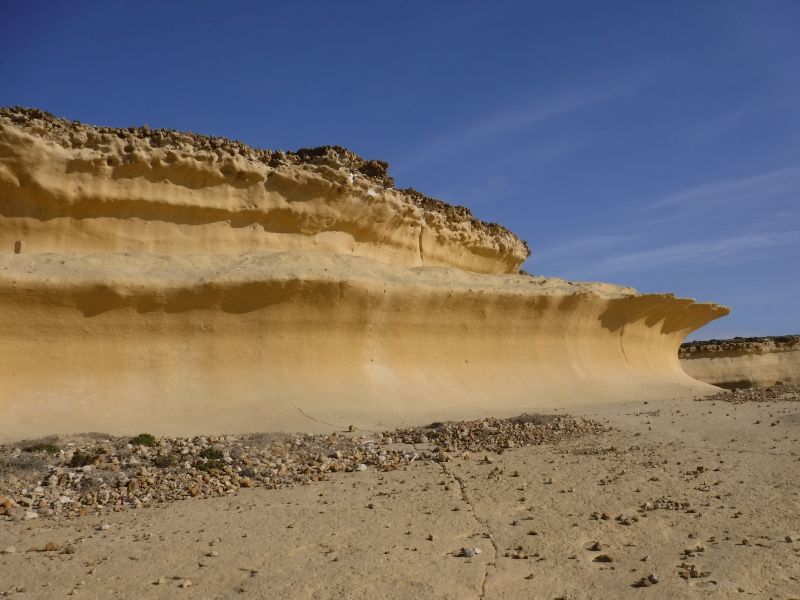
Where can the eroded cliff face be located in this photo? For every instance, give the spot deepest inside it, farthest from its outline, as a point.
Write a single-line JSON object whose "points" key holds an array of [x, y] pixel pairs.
{"points": [[173, 283], [67, 187], [744, 362]]}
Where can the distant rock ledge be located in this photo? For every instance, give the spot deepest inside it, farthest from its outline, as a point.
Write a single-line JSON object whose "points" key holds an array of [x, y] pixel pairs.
{"points": [[153, 280], [744, 362]]}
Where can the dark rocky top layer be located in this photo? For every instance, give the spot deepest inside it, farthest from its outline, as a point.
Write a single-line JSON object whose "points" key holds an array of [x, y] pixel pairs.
{"points": [[740, 345]]}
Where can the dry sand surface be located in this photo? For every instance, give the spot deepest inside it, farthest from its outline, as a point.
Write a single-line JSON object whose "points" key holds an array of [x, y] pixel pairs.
{"points": [[703, 496]]}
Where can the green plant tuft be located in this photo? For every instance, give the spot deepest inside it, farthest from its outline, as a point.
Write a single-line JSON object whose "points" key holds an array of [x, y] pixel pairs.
{"points": [[165, 460], [42, 447], [144, 439], [211, 454], [82, 459], [211, 465]]}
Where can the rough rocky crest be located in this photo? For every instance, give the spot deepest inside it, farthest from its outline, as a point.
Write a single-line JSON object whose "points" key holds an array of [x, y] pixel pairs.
{"points": [[326, 197]]}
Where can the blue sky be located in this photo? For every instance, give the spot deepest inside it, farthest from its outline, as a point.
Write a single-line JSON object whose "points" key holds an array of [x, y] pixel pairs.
{"points": [[652, 144]]}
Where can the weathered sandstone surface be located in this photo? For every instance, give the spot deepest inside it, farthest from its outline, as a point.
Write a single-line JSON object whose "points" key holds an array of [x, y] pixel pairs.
{"points": [[744, 362], [169, 282], [67, 187]]}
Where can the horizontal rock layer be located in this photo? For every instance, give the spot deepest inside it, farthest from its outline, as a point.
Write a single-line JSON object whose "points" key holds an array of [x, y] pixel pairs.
{"points": [[176, 284], [67, 187], [744, 362], [304, 340]]}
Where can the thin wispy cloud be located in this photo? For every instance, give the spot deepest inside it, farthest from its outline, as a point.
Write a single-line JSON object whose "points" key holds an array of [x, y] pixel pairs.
{"points": [[517, 118], [762, 187], [645, 243], [497, 184], [623, 256], [491, 188], [727, 250], [714, 126], [581, 248]]}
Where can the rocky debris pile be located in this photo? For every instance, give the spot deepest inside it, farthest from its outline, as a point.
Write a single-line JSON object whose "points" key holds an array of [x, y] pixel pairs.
{"points": [[664, 503], [777, 393], [496, 435], [690, 571], [142, 139], [71, 476]]}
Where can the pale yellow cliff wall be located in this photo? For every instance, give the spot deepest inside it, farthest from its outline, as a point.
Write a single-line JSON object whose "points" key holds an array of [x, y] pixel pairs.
{"points": [[302, 341], [171, 283]]}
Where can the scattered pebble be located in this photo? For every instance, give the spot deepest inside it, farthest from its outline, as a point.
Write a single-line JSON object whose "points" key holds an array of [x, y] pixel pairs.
{"points": [[605, 558], [596, 547], [647, 581]]}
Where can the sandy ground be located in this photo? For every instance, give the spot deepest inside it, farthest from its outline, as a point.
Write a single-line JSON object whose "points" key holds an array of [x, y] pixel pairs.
{"points": [[534, 513]]}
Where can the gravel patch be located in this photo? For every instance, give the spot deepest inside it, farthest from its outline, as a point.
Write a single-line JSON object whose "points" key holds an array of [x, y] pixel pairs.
{"points": [[778, 393], [77, 475]]}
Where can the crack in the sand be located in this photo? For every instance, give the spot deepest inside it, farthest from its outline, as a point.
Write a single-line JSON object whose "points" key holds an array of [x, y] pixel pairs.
{"points": [[308, 416], [482, 522], [462, 486]]}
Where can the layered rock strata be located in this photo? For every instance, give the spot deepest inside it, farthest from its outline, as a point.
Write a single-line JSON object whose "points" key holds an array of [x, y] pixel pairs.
{"points": [[152, 280], [744, 362], [67, 187]]}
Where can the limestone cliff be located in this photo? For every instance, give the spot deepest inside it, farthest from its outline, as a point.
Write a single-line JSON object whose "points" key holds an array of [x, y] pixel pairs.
{"points": [[744, 362], [175, 283], [68, 187]]}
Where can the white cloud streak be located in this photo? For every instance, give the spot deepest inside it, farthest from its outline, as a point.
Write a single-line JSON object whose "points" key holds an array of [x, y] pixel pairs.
{"points": [[512, 119], [620, 256], [727, 250], [585, 247], [645, 243], [715, 126], [761, 187]]}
